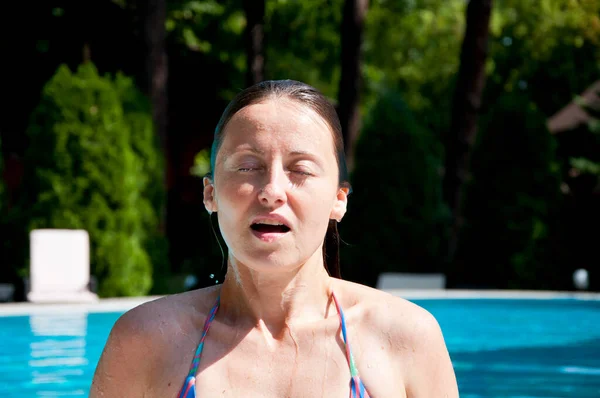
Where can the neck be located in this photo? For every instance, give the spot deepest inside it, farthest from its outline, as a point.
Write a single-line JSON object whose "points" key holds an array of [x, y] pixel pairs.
{"points": [[277, 300]]}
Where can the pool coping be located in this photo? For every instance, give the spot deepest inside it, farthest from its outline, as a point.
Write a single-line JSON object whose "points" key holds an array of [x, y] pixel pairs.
{"points": [[492, 294], [127, 303]]}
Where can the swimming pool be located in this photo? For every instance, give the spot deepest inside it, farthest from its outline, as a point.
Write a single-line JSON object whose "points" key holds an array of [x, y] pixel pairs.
{"points": [[522, 348]]}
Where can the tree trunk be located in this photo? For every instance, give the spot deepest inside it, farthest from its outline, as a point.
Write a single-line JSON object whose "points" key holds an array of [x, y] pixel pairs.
{"points": [[352, 28], [86, 53], [153, 14], [465, 109], [254, 36]]}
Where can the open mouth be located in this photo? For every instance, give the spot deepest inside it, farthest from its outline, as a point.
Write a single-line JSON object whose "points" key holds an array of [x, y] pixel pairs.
{"points": [[267, 228]]}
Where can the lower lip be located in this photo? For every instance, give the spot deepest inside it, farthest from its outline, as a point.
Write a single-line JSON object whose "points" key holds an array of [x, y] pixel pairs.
{"points": [[268, 236]]}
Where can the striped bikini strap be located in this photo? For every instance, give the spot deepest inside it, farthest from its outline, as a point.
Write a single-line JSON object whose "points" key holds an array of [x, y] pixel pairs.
{"points": [[209, 319], [349, 357]]}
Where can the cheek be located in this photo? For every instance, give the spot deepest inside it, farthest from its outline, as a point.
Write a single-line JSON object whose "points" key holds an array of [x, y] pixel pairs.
{"points": [[245, 190], [316, 209], [232, 202], [231, 195]]}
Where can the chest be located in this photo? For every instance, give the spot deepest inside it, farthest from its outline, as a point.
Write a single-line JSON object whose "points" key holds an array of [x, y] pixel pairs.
{"points": [[311, 364], [314, 366], [308, 367]]}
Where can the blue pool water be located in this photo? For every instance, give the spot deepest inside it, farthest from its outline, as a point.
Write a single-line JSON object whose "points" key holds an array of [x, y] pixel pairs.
{"points": [[499, 347]]}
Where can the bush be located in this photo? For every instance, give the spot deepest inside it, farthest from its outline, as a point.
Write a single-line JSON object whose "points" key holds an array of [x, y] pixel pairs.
{"points": [[93, 163], [510, 202], [396, 217]]}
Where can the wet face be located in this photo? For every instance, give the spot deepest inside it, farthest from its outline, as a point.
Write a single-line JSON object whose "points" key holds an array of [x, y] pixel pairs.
{"points": [[275, 185]]}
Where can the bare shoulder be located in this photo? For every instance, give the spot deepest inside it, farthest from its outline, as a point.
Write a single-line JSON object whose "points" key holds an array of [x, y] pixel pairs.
{"points": [[413, 338], [390, 312], [151, 318], [146, 340]]}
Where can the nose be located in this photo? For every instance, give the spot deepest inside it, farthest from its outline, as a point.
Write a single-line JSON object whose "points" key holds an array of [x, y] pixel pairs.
{"points": [[273, 192]]}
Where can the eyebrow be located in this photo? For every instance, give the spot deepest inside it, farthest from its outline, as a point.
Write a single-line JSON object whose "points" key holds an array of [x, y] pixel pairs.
{"points": [[302, 153], [245, 147], [296, 153], [261, 152]]}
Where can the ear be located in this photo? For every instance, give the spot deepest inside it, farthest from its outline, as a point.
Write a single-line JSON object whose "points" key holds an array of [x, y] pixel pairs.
{"points": [[209, 195], [339, 206]]}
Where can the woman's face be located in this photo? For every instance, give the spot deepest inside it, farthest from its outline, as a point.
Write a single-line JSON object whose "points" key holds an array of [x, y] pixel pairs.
{"points": [[275, 185]]}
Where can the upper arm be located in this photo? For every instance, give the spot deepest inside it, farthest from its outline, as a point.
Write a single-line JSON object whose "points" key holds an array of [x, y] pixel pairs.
{"points": [[431, 373], [121, 370]]}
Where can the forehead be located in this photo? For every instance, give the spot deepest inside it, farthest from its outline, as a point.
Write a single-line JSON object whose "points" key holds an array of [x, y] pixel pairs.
{"points": [[278, 124]]}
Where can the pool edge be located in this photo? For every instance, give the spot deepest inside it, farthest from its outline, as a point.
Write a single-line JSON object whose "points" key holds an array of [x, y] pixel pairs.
{"points": [[127, 303]]}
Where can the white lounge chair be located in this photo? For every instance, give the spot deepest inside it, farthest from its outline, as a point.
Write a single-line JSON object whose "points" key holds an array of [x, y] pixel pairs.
{"points": [[59, 266]]}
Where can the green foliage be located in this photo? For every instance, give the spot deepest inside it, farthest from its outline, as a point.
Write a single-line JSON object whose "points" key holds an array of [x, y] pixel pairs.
{"points": [[201, 163], [534, 46], [584, 165], [93, 163], [510, 201], [303, 42], [187, 18], [396, 215], [548, 23], [414, 46], [410, 45], [213, 30], [302, 39]]}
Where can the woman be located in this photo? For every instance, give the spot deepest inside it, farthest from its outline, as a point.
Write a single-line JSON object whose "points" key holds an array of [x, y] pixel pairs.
{"points": [[279, 325]]}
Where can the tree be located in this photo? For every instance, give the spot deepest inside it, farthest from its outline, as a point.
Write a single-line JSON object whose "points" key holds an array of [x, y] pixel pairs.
{"points": [[254, 35], [536, 46], [420, 59], [152, 17], [353, 20], [531, 45], [304, 42], [465, 109]]}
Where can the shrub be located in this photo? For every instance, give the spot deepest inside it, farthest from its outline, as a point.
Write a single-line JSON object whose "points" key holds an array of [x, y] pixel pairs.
{"points": [[396, 216], [93, 163]]}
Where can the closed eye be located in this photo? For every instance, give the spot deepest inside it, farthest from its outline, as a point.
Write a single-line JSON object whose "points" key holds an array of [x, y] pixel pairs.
{"points": [[301, 169], [301, 172]]}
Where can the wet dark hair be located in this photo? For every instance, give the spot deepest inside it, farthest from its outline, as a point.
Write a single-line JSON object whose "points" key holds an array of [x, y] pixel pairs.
{"points": [[309, 96]]}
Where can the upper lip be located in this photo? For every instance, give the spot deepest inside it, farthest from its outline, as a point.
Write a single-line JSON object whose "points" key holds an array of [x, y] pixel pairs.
{"points": [[273, 218]]}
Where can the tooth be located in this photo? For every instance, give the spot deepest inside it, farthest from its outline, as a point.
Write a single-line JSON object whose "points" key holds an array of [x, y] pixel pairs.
{"points": [[268, 222]]}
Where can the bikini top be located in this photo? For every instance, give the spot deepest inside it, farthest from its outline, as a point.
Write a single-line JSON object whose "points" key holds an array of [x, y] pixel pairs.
{"points": [[357, 388]]}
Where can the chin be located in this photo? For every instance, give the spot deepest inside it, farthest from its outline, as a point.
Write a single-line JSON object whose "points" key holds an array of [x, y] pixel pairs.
{"points": [[269, 261]]}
